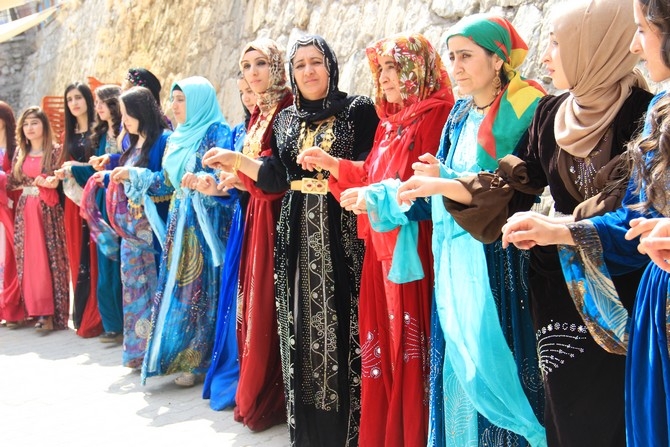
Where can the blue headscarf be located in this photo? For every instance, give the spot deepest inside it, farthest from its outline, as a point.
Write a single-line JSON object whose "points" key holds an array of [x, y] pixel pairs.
{"points": [[202, 110]]}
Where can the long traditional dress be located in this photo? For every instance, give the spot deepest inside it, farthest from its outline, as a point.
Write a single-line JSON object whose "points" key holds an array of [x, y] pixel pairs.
{"points": [[222, 377], [485, 382], [139, 254], [184, 306], [642, 334], [318, 261], [108, 284], [82, 255], [394, 314], [11, 305], [259, 402], [40, 248]]}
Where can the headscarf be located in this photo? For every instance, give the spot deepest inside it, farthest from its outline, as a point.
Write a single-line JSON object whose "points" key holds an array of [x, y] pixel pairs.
{"points": [[144, 78], [420, 70], [277, 88], [424, 85], [598, 65], [513, 109], [335, 100], [202, 110]]}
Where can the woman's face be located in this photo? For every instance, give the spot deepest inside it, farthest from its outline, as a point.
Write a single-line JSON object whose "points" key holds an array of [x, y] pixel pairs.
{"points": [[179, 106], [388, 79], [131, 124], [76, 103], [256, 70], [102, 110], [472, 68], [33, 129], [647, 44], [311, 75], [247, 95], [551, 58]]}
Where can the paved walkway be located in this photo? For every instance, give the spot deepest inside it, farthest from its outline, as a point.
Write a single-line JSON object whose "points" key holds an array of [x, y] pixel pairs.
{"points": [[61, 390]]}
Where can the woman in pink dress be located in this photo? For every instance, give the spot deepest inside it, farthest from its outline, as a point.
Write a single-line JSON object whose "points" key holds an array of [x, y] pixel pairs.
{"points": [[38, 223]]}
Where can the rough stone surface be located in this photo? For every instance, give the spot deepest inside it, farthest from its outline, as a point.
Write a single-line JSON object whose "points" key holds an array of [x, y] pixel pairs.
{"points": [[179, 38]]}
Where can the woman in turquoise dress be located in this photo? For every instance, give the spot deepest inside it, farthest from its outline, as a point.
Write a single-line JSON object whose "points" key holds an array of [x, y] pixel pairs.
{"points": [[183, 314], [485, 385]]}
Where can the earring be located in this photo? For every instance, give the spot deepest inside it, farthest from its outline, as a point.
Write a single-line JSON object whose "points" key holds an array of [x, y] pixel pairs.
{"points": [[497, 82]]}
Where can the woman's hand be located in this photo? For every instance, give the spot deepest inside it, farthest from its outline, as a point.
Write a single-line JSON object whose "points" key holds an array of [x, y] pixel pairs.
{"points": [[419, 186], [429, 166], [353, 199], [189, 180], [99, 163], [316, 158], [99, 177], [526, 231], [119, 174], [229, 180], [218, 158], [50, 182], [206, 184], [654, 239], [63, 172]]}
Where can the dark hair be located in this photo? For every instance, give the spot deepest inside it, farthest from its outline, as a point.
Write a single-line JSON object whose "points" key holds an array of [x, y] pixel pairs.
{"points": [[140, 104], [109, 94], [141, 77], [71, 121], [7, 116], [52, 157], [651, 172]]}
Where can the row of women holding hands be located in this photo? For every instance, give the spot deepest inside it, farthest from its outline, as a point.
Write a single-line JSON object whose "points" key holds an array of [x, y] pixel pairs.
{"points": [[371, 343]]}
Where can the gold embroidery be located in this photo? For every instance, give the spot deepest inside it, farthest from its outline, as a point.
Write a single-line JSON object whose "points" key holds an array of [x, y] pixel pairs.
{"points": [[254, 138], [307, 139]]}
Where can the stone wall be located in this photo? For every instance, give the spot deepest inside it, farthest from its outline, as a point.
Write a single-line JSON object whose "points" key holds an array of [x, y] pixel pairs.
{"points": [[13, 55], [179, 38]]}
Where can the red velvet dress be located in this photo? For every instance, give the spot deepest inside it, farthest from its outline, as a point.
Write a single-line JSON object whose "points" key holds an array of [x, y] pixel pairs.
{"points": [[259, 401], [394, 319], [11, 305]]}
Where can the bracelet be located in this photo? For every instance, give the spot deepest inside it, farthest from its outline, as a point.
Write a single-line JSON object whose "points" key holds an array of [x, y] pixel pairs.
{"points": [[238, 162]]}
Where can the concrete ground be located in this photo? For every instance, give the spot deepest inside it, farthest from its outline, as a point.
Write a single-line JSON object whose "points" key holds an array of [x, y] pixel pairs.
{"points": [[62, 390]]}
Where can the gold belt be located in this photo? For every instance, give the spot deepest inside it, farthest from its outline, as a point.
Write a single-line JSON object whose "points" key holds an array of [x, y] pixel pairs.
{"points": [[310, 186]]}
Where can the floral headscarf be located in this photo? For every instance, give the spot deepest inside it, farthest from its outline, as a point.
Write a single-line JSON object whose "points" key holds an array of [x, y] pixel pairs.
{"points": [[513, 109], [277, 88], [144, 78], [420, 70]]}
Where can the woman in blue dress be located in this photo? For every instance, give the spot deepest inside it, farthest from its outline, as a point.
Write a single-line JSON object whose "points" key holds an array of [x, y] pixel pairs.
{"points": [[184, 307]]}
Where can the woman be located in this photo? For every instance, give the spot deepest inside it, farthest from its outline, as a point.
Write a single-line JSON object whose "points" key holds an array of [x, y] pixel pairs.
{"points": [[501, 399], [79, 118], [184, 306], [38, 230], [222, 378], [317, 254], [11, 308], [612, 244], [259, 401], [139, 249], [413, 99], [571, 137], [104, 135]]}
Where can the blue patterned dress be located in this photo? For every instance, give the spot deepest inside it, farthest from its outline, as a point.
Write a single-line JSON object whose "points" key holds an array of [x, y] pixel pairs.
{"points": [[183, 313]]}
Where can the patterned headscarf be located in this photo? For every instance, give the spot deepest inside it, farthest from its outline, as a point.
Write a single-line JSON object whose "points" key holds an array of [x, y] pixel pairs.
{"points": [[513, 109], [202, 110], [335, 100], [277, 88], [420, 70], [144, 78], [599, 67]]}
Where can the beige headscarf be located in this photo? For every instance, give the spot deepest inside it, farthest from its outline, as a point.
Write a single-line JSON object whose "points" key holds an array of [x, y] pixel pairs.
{"points": [[594, 37]]}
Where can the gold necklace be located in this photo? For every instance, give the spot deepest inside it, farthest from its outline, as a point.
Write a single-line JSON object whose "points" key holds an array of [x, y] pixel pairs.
{"points": [[254, 139], [307, 138]]}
